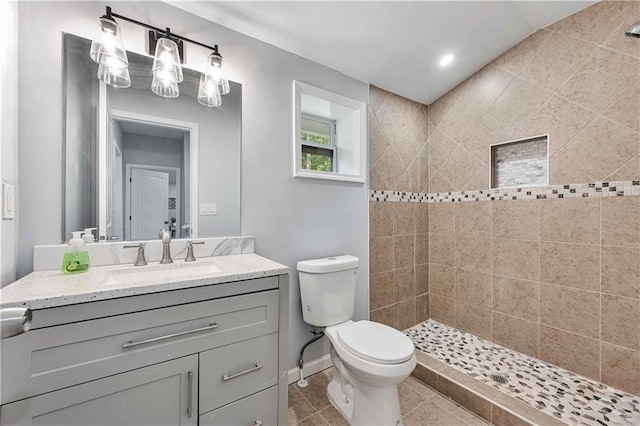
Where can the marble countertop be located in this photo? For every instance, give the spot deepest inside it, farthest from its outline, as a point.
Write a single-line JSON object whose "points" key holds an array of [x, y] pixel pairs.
{"points": [[48, 289]]}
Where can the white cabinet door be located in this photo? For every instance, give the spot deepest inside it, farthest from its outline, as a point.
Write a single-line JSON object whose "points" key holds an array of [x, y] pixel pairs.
{"points": [[161, 394]]}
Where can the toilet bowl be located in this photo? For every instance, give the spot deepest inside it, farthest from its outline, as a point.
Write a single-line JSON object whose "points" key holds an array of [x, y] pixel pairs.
{"points": [[370, 359]]}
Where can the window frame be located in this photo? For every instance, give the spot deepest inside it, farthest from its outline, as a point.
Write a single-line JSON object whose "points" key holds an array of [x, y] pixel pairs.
{"points": [[318, 146]]}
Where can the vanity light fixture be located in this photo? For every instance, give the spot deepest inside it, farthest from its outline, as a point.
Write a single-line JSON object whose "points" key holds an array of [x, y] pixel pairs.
{"points": [[446, 60], [107, 49]]}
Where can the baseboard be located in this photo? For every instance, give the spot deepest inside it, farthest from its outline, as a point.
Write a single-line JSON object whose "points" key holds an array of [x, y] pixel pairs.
{"points": [[310, 367]]}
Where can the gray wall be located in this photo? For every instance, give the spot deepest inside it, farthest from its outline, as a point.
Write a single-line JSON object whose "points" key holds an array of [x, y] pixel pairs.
{"points": [[9, 132], [152, 151], [292, 219]]}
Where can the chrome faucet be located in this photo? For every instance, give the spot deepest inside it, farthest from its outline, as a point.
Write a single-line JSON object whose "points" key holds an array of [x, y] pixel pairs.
{"points": [[140, 260], [165, 236]]}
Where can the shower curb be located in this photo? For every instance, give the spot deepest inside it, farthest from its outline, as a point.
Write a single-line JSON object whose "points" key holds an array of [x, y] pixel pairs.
{"points": [[483, 400]]}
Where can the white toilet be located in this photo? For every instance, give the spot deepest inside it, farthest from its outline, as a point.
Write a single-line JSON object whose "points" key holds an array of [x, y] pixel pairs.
{"points": [[370, 359]]}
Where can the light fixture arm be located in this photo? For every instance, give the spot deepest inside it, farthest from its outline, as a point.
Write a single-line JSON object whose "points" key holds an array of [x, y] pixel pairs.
{"points": [[166, 32]]}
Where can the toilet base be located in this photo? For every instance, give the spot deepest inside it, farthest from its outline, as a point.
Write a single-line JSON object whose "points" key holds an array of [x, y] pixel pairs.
{"points": [[361, 404]]}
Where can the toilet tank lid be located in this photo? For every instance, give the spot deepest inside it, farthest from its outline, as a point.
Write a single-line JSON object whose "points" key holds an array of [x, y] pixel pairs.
{"points": [[328, 264]]}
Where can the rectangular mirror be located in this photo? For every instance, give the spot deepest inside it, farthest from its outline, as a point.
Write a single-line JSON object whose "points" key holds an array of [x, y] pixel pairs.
{"points": [[136, 162]]}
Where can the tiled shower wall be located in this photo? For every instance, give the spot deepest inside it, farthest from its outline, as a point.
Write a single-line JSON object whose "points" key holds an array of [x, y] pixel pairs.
{"points": [[558, 279], [399, 239]]}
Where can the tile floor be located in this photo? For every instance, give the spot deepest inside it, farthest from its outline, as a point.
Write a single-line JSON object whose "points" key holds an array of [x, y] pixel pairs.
{"points": [[420, 405]]}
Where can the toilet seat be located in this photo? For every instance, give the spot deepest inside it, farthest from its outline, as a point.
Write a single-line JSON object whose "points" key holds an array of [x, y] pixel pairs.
{"points": [[375, 342]]}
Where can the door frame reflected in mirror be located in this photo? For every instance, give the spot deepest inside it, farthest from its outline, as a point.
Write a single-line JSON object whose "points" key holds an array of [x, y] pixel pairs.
{"points": [[104, 121]]}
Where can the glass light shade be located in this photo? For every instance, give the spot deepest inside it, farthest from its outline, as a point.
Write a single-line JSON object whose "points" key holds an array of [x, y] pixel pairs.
{"points": [[166, 64], [215, 74], [116, 77], [166, 89], [107, 46], [208, 94]]}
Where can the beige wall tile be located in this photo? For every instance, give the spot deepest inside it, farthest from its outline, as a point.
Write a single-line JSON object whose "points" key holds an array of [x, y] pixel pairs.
{"points": [[464, 397], [518, 102], [473, 219], [621, 221], [473, 288], [390, 168], [570, 220], [570, 309], [621, 368], [473, 254], [441, 309], [626, 110], [520, 219], [487, 131], [422, 248], [403, 219], [559, 118], [620, 42], [381, 290], [441, 249], [516, 333], [571, 265], [380, 219], [406, 314], [516, 259], [458, 121], [438, 108], [386, 315], [586, 154], [602, 79], [571, 351], [621, 321], [621, 271], [439, 184], [473, 319], [422, 279], [378, 140], [380, 254], [557, 60], [516, 297], [439, 148], [441, 217], [441, 280], [482, 89], [629, 171], [422, 217], [422, 308], [403, 284], [460, 168], [403, 251], [517, 59], [595, 23]]}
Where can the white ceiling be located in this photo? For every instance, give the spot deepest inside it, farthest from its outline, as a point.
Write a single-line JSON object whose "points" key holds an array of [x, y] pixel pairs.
{"points": [[393, 45]]}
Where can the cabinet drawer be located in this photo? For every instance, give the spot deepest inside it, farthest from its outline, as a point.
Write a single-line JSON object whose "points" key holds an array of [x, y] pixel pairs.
{"points": [[51, 358], [255, 410], [235, 371]]}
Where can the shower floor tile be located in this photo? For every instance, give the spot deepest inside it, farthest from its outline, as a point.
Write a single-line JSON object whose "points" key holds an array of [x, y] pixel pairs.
{"points": [[571, 398]]}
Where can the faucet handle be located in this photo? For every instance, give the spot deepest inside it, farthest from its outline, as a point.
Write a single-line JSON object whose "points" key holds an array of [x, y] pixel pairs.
{"points": [[140, 260], [190, 257]]}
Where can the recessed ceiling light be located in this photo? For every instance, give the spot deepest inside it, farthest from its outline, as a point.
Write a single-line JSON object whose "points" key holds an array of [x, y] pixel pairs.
{"points": [[446, 60]]}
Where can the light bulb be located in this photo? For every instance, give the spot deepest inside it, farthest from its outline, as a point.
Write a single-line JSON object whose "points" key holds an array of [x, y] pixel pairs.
{"points": [[446, 60]]}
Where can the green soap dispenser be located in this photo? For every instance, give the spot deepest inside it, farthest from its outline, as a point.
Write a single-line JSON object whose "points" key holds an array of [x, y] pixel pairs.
{"points": [[76, 258]]}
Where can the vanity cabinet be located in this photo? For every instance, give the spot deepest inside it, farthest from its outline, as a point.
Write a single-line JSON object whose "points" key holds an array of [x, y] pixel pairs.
{"points": [[201, 355]]}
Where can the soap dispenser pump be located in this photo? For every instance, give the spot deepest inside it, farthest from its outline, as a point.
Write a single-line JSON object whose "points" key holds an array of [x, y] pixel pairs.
{"points": [[87, 236], [76, 258]]}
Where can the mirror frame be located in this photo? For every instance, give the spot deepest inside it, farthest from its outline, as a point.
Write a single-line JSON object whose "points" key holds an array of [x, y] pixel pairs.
{"points": [[360, 108]]}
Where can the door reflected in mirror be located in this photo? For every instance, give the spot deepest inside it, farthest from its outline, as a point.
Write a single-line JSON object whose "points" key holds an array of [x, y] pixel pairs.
{"points": [[136, 162]]}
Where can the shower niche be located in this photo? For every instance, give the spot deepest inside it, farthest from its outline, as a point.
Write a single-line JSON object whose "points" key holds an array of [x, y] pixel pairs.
{"points": [[520, 163]]}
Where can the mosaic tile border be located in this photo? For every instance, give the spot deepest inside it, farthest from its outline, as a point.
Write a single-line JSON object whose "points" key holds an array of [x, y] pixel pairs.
{"points": [[564, 395], [579, 190]]}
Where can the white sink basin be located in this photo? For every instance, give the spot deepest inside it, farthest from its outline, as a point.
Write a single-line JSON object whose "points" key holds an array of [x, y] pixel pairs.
{"points": [[157, 272]]}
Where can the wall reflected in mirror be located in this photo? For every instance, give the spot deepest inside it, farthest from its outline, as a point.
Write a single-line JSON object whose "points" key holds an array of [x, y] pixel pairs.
{"points": [[136, 162]]}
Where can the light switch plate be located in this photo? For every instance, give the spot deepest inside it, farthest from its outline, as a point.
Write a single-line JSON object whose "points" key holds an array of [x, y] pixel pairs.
{"points": [[208, 209], [8, 201]]}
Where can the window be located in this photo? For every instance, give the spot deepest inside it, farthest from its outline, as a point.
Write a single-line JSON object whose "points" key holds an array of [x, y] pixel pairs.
{"points": [[329, 135], [317, 138]]}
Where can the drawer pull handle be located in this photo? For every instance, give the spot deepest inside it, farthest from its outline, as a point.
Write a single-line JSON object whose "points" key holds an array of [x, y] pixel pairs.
{"points": [[242, 373], [258, 423], [130, 344], [190, 395]]}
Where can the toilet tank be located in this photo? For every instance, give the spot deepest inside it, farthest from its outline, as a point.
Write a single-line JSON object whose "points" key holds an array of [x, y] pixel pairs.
{"points": [[328, 289]]}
